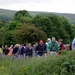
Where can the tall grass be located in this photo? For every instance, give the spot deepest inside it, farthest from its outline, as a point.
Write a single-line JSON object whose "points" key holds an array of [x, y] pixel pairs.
{"points": [[52, 65]]}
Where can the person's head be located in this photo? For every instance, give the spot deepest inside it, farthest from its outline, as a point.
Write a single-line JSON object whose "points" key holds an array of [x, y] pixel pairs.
{"points": [[20, 46], [48, 39], [60, 41], [11, 46], [17, 45], [41, 42], [29, 45], [36, 44], [6, 46], [53, 39]]}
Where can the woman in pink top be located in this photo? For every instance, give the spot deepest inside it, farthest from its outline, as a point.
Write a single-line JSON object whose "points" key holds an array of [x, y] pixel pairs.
{"points": [[10, 50]]}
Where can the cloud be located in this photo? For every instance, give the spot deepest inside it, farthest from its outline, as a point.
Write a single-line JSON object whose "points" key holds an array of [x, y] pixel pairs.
{"points": [[62, 6], [3, 2]]}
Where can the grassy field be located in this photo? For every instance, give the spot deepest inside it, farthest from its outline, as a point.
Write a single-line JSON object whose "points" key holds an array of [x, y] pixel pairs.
{"points": [[52, 65]]}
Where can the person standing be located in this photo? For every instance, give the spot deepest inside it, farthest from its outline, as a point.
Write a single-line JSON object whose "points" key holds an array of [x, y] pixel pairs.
{"points": [[73, 44], [1, 51], [29, 51], [54, 46], [41, 49], [62, 47], [47, 46], [10, 50], [6, 50], [15, 50]]}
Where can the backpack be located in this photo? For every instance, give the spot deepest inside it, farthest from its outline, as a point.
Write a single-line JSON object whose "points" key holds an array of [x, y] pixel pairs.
{"points": [[53, 45], [70, 47]]}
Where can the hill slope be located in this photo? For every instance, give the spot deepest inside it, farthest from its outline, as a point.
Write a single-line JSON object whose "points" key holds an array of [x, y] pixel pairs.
{"points": [[70, 17], [7, 12], [7, 15]]}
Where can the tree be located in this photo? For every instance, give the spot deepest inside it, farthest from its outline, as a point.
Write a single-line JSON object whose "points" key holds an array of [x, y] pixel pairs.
{"points": [[68, 28], [44, 23], [23, 13], [23, 16], [54, 25], [2, 23], [30, 34], [2, 36], [9, 38], [13, 24]]}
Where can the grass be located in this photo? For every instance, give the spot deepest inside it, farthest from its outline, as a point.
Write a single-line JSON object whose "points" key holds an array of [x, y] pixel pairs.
{"points": [[52, 65]]}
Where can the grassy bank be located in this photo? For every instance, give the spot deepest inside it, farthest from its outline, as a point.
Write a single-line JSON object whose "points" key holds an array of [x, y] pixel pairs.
{"points": [[53, 65]]}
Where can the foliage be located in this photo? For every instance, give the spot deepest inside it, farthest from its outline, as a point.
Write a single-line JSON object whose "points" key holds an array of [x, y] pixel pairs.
{"points": [[54, 25], [45, 26], [22, 16], [13, 24], [9, 39], [10, 13], [2, 36], [29, 34], [51, 65], [2, 23]]}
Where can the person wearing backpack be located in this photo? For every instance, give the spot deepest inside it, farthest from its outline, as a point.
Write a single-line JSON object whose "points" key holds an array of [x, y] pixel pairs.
{"points": [[54, 47]]}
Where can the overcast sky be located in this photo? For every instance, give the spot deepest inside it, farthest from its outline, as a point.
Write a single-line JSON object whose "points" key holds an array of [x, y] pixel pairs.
{"points": [[61, 6]]}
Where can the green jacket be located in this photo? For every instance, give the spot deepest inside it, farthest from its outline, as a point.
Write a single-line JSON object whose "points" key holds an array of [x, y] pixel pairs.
{"points": [[53, 46]]}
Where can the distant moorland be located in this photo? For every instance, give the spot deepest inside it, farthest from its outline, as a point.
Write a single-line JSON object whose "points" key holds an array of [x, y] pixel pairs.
{"points": [[7, 15]]}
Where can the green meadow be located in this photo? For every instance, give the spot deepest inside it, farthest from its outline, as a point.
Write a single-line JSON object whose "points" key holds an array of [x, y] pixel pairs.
{"points": [[63, 64]]}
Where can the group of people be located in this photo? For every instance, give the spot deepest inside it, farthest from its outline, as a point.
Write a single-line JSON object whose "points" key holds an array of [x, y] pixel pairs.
{"points": [[51, 47], [54, 47], [17, 50]]}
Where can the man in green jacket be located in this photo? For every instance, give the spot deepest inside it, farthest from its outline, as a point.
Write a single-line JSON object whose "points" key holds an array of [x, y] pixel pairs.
{"points": [[53, 46]]}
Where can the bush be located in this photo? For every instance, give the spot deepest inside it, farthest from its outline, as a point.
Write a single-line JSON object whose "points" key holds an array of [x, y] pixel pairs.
{"points": [[52, 65]]}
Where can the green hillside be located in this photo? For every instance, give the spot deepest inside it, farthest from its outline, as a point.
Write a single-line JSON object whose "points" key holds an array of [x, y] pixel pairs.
{"points": [[7, 12], [7, 15], [70, 17]]}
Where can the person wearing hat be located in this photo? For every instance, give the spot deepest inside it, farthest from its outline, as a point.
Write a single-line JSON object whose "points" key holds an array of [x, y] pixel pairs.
{"points": [[41, 49], [47, 46]]}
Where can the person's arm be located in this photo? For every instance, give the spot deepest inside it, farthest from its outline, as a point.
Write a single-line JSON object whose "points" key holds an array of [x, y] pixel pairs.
{"points": [[47, 47], [58, 46], [63, 47], [73, 42], [72, 46]]}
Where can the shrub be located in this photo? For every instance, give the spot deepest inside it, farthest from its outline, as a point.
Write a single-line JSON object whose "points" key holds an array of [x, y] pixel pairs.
{"points": [[52, 65]]}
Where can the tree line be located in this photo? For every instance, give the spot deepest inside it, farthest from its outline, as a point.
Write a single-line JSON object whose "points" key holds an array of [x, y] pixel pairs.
{"points": [[27, 29]]}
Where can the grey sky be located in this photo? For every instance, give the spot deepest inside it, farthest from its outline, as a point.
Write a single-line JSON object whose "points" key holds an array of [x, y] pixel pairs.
{"points": [[3, 2], [62, 6]]}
